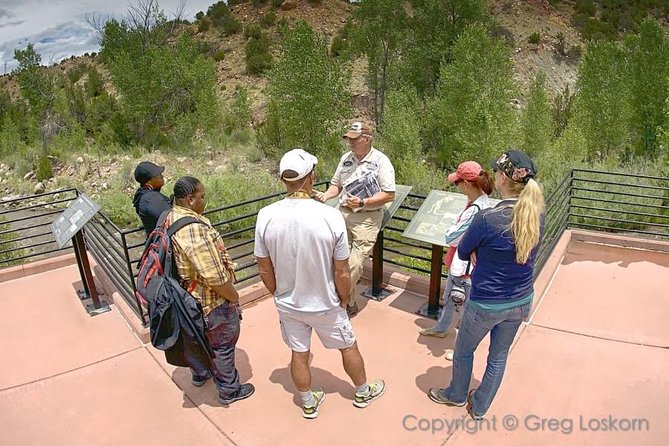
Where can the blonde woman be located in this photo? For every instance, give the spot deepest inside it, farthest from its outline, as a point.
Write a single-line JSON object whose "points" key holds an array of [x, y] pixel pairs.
{"points": [[502, 242], [474, 182]]}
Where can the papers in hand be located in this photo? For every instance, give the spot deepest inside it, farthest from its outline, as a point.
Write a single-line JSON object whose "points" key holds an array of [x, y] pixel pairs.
{"points": [[363, 187]]}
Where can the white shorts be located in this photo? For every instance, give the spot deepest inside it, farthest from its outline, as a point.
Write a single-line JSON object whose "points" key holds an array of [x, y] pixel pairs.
{"points": [[332, 327]]}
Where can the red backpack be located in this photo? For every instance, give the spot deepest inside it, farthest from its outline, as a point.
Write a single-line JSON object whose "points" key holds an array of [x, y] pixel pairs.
{"points": [[156, 260]]}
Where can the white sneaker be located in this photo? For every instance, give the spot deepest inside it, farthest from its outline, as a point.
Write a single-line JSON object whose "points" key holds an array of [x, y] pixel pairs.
{"points": [[449, 355]]}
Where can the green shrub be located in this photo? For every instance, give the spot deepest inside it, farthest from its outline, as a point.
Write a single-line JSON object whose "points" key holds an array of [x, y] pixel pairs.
{"points": [[258, 57], [340, 43], [74, 74], [203, 47], [231, 26], [218, 11], [268, 20], [203, 25], [586, 7], [219, 55], [258, 2], [534, 38], [277, 3], [44, 171], [199, 15], [252, 31]]}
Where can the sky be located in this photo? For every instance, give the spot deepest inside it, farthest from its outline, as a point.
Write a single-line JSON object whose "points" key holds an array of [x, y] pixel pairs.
{"points": [[58, 29]]}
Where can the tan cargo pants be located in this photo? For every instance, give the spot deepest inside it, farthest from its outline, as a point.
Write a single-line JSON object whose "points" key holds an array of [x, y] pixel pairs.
{"points": [[362, 228]]}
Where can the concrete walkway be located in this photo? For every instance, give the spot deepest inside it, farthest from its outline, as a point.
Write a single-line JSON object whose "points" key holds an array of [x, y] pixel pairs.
{"points": [[589, 367]]}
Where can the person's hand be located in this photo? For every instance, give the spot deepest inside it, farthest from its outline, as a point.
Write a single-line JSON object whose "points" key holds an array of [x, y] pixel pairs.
{"points": [[352, 202], [472, 259], [320, 196]]}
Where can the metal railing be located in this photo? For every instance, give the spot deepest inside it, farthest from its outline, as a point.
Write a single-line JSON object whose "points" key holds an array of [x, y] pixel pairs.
{"points": [[619, 202], [588, 199], [25, 226]]}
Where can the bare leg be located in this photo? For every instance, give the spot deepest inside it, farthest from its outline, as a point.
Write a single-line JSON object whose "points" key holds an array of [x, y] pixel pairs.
{"points": [[299, 370], [354, 364]]}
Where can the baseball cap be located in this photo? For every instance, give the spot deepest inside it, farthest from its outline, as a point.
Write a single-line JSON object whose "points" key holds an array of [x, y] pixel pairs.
{"points": [[469, 170], [515, 165], [358, 128], [147, 170], [299, 161]]}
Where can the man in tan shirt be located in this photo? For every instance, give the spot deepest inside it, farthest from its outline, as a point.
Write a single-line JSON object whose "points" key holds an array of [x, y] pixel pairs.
{"points": [[365, 182]]}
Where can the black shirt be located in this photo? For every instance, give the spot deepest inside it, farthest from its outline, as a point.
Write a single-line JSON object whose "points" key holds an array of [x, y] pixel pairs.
{"points": [[149, 204]]}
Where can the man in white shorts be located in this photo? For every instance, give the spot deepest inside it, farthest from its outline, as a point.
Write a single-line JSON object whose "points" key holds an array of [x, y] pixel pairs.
{"points": [[302, 252]]}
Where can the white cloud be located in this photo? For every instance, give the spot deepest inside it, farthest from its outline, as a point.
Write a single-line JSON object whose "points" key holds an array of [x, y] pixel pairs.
{"points": [[58, 29]]}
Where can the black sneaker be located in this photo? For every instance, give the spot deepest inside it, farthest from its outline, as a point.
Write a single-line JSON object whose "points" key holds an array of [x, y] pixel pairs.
{"points": [[245, 391], [198, 381]]}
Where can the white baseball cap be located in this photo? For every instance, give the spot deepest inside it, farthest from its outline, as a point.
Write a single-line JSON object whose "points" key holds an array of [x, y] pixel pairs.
{"points": [[299, 161]]}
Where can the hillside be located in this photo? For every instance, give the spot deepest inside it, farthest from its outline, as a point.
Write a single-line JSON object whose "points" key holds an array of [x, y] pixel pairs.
{"points": [[539, 32]]}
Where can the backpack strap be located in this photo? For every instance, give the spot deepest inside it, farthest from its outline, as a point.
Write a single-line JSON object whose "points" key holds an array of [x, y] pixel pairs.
{"points": [[174, 227], [468, 269], [179, 224]]}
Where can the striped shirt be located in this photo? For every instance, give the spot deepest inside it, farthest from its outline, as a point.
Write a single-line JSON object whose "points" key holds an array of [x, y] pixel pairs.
{"points": [[201, 258]]}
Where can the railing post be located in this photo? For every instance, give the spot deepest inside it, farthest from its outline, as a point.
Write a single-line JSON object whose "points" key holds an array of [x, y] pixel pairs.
{"points": [[431, 309], [377, 292], [98, 306], [435, 280]]}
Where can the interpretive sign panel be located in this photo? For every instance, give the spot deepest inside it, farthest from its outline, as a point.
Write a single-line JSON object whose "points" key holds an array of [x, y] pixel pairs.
{"points": [[438, 212], [73, 219]]}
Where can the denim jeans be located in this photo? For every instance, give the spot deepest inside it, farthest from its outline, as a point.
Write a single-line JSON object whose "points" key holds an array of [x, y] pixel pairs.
{"points": [[502, 326], [449, 309], [222, 333]]}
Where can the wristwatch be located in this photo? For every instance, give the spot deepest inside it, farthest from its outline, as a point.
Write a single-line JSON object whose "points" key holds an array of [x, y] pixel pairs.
{"points": [[362, 203]]}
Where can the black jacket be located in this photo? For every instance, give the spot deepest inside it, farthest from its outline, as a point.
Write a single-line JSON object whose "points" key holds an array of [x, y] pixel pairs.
{"points": [[176, 320], [149, 204], [177, 325]]}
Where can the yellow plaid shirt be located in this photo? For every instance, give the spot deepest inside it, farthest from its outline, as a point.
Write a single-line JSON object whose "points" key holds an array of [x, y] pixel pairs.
{"points": [[200, 256]]}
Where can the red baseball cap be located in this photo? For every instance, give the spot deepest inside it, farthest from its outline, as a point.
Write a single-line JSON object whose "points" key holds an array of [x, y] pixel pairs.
{"points": [[469, 170]]}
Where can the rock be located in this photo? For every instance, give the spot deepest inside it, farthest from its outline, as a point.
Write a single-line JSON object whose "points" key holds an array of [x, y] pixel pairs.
{"points": [[220, 168], [10, 197], [80, 160], [56, 196], [39, 188], [288, 5], [104, 186], [181, 159], [29, 175], [209, 163]]}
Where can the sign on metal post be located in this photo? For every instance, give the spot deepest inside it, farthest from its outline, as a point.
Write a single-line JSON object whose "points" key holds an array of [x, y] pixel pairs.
{"points": [[437, 213], [69, 226]]}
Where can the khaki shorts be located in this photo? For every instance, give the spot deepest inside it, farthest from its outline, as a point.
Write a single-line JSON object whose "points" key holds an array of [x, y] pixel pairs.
{"points": [[333, 328]]}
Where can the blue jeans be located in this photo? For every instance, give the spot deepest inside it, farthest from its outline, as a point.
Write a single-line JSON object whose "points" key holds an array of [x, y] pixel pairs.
{"points": [[449, 309], [222, 333], [502, 326]]}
